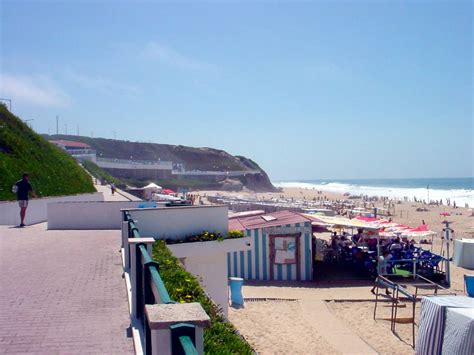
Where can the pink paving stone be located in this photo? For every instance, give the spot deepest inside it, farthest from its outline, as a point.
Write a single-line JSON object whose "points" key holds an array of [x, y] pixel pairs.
{"points": [[62, 292]]}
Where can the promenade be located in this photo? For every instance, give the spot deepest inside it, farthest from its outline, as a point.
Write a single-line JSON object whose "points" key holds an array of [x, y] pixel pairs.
{"points": [[62, 292]]}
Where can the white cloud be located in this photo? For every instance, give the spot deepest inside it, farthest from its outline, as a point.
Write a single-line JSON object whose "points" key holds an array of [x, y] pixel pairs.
{"points": [[37, 90], [101, 84], [170, 56]]}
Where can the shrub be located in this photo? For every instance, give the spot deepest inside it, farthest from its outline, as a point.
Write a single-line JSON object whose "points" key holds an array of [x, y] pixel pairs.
{"points": [[207, 237], [220, 337]]}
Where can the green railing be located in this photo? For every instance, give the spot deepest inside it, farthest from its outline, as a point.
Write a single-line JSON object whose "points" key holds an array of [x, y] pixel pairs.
{"points": [[150, 289]]}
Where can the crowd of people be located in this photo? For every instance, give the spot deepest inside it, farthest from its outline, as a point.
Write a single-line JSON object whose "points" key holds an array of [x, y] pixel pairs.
{"points": [[360, 251]]}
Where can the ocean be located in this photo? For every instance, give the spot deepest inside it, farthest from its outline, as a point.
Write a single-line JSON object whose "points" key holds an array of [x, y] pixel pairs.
{"points": [[456, 189]]}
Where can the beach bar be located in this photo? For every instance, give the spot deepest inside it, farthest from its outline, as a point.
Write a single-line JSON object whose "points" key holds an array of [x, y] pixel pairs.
{"points": [[281, 247]]}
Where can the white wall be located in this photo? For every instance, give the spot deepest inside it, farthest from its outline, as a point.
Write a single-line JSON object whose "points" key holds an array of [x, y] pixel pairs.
{"points": [[211, 270], [208, 262], [179, 222], [37, 208], [88, 215]]}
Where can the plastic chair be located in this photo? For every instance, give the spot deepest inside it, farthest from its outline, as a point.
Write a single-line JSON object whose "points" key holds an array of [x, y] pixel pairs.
{"points": [[469, 285]]}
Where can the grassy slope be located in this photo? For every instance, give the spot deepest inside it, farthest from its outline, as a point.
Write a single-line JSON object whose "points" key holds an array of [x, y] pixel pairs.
{"points": [[52, 171]]}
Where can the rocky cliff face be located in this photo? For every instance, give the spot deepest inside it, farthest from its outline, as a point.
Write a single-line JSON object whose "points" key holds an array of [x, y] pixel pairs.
{"points": [[257, 182], [204, 159]]}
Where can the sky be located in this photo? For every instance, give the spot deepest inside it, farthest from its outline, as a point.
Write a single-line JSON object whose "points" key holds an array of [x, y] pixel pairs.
{"points": [[308, 89]]}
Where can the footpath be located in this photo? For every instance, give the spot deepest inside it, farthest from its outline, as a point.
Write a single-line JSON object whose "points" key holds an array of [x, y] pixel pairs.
{"points": [[62, 291]]}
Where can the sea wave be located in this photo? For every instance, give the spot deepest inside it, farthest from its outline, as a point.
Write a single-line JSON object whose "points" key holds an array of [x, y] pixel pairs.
{"points": [[460, 196]]}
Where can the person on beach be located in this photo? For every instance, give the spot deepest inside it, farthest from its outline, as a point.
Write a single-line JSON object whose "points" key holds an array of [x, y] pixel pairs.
{"points": [[382, 267], [112, 187], [23, 189]]}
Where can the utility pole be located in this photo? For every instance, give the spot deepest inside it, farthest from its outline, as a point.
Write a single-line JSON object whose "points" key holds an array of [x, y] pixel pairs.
{"points": [[57, 125], [65, 129], [78, 129]]}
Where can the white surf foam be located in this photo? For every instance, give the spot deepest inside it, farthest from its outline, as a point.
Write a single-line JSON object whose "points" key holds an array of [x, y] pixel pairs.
{"points": [[461, 196]]}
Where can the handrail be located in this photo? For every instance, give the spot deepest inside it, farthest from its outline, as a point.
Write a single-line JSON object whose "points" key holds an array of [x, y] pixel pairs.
{"points": [[155, 275], [187, 345], [151, 267], [406, 293], [160, 286], [431, 282]]}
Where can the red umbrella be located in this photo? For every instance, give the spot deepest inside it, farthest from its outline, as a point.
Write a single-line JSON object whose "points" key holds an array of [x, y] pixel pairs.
{"points": [[446, 214]]}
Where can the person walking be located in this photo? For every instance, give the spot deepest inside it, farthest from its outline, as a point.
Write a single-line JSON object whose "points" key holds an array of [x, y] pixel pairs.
{"points": [[23, 189]]}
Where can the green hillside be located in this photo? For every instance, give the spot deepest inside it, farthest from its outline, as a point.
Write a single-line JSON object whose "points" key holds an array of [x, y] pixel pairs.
{"points": [[192, 158], [52, 171]]}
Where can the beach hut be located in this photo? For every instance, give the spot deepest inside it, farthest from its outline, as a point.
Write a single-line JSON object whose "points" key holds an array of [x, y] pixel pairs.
{"points": [[281, 247]]}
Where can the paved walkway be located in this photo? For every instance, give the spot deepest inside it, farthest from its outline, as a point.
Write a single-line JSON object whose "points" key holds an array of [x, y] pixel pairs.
{"points": [[62, 291], [117, 196]]}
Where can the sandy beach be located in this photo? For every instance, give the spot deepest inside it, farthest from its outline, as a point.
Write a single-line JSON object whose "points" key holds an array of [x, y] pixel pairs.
{"points": [[337, 317]]}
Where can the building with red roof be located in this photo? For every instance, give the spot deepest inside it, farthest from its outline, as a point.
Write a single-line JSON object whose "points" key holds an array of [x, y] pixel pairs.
{"points": [[281, 247]]}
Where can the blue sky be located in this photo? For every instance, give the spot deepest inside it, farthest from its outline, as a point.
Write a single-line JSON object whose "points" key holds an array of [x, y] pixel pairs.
{"points": [[313, 89]]}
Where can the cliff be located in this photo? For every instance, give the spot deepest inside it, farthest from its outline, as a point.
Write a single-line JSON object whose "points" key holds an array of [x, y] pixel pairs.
{"points": [[203, 159]]}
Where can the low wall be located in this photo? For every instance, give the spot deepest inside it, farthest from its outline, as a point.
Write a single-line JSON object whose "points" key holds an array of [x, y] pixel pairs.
{"points": [[88, 215], [37, 211], [179, 222]]}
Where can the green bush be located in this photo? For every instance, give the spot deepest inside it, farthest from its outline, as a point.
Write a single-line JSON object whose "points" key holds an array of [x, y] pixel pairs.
{"points": [[207, 237], [221, 337], [53, 172]]}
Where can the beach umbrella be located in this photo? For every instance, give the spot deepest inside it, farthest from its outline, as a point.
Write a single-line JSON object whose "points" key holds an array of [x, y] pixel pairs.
{"points": [[167, 191], [445, 214]]}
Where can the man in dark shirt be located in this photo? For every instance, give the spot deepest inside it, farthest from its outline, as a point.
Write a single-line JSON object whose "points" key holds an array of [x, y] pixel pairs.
{"points": [[23, 188]]}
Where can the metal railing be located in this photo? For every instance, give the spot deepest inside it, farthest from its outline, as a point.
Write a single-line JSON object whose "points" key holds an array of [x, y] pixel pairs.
{"points": [[167, 164], [215, 173], [394, 297], [150, 289]]}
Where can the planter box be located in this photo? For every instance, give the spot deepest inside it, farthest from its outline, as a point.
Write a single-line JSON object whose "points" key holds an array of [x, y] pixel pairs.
{"points": [[184, 250]]}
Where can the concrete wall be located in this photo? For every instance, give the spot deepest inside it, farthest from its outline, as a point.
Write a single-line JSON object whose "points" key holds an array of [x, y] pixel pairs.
{"points": [[88, 215], [179, 222], [37, 209], [207, 261], [212, 273]]}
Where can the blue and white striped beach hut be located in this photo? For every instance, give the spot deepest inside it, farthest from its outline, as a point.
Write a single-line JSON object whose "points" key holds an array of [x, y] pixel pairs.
{"points": [[281, 247]]}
